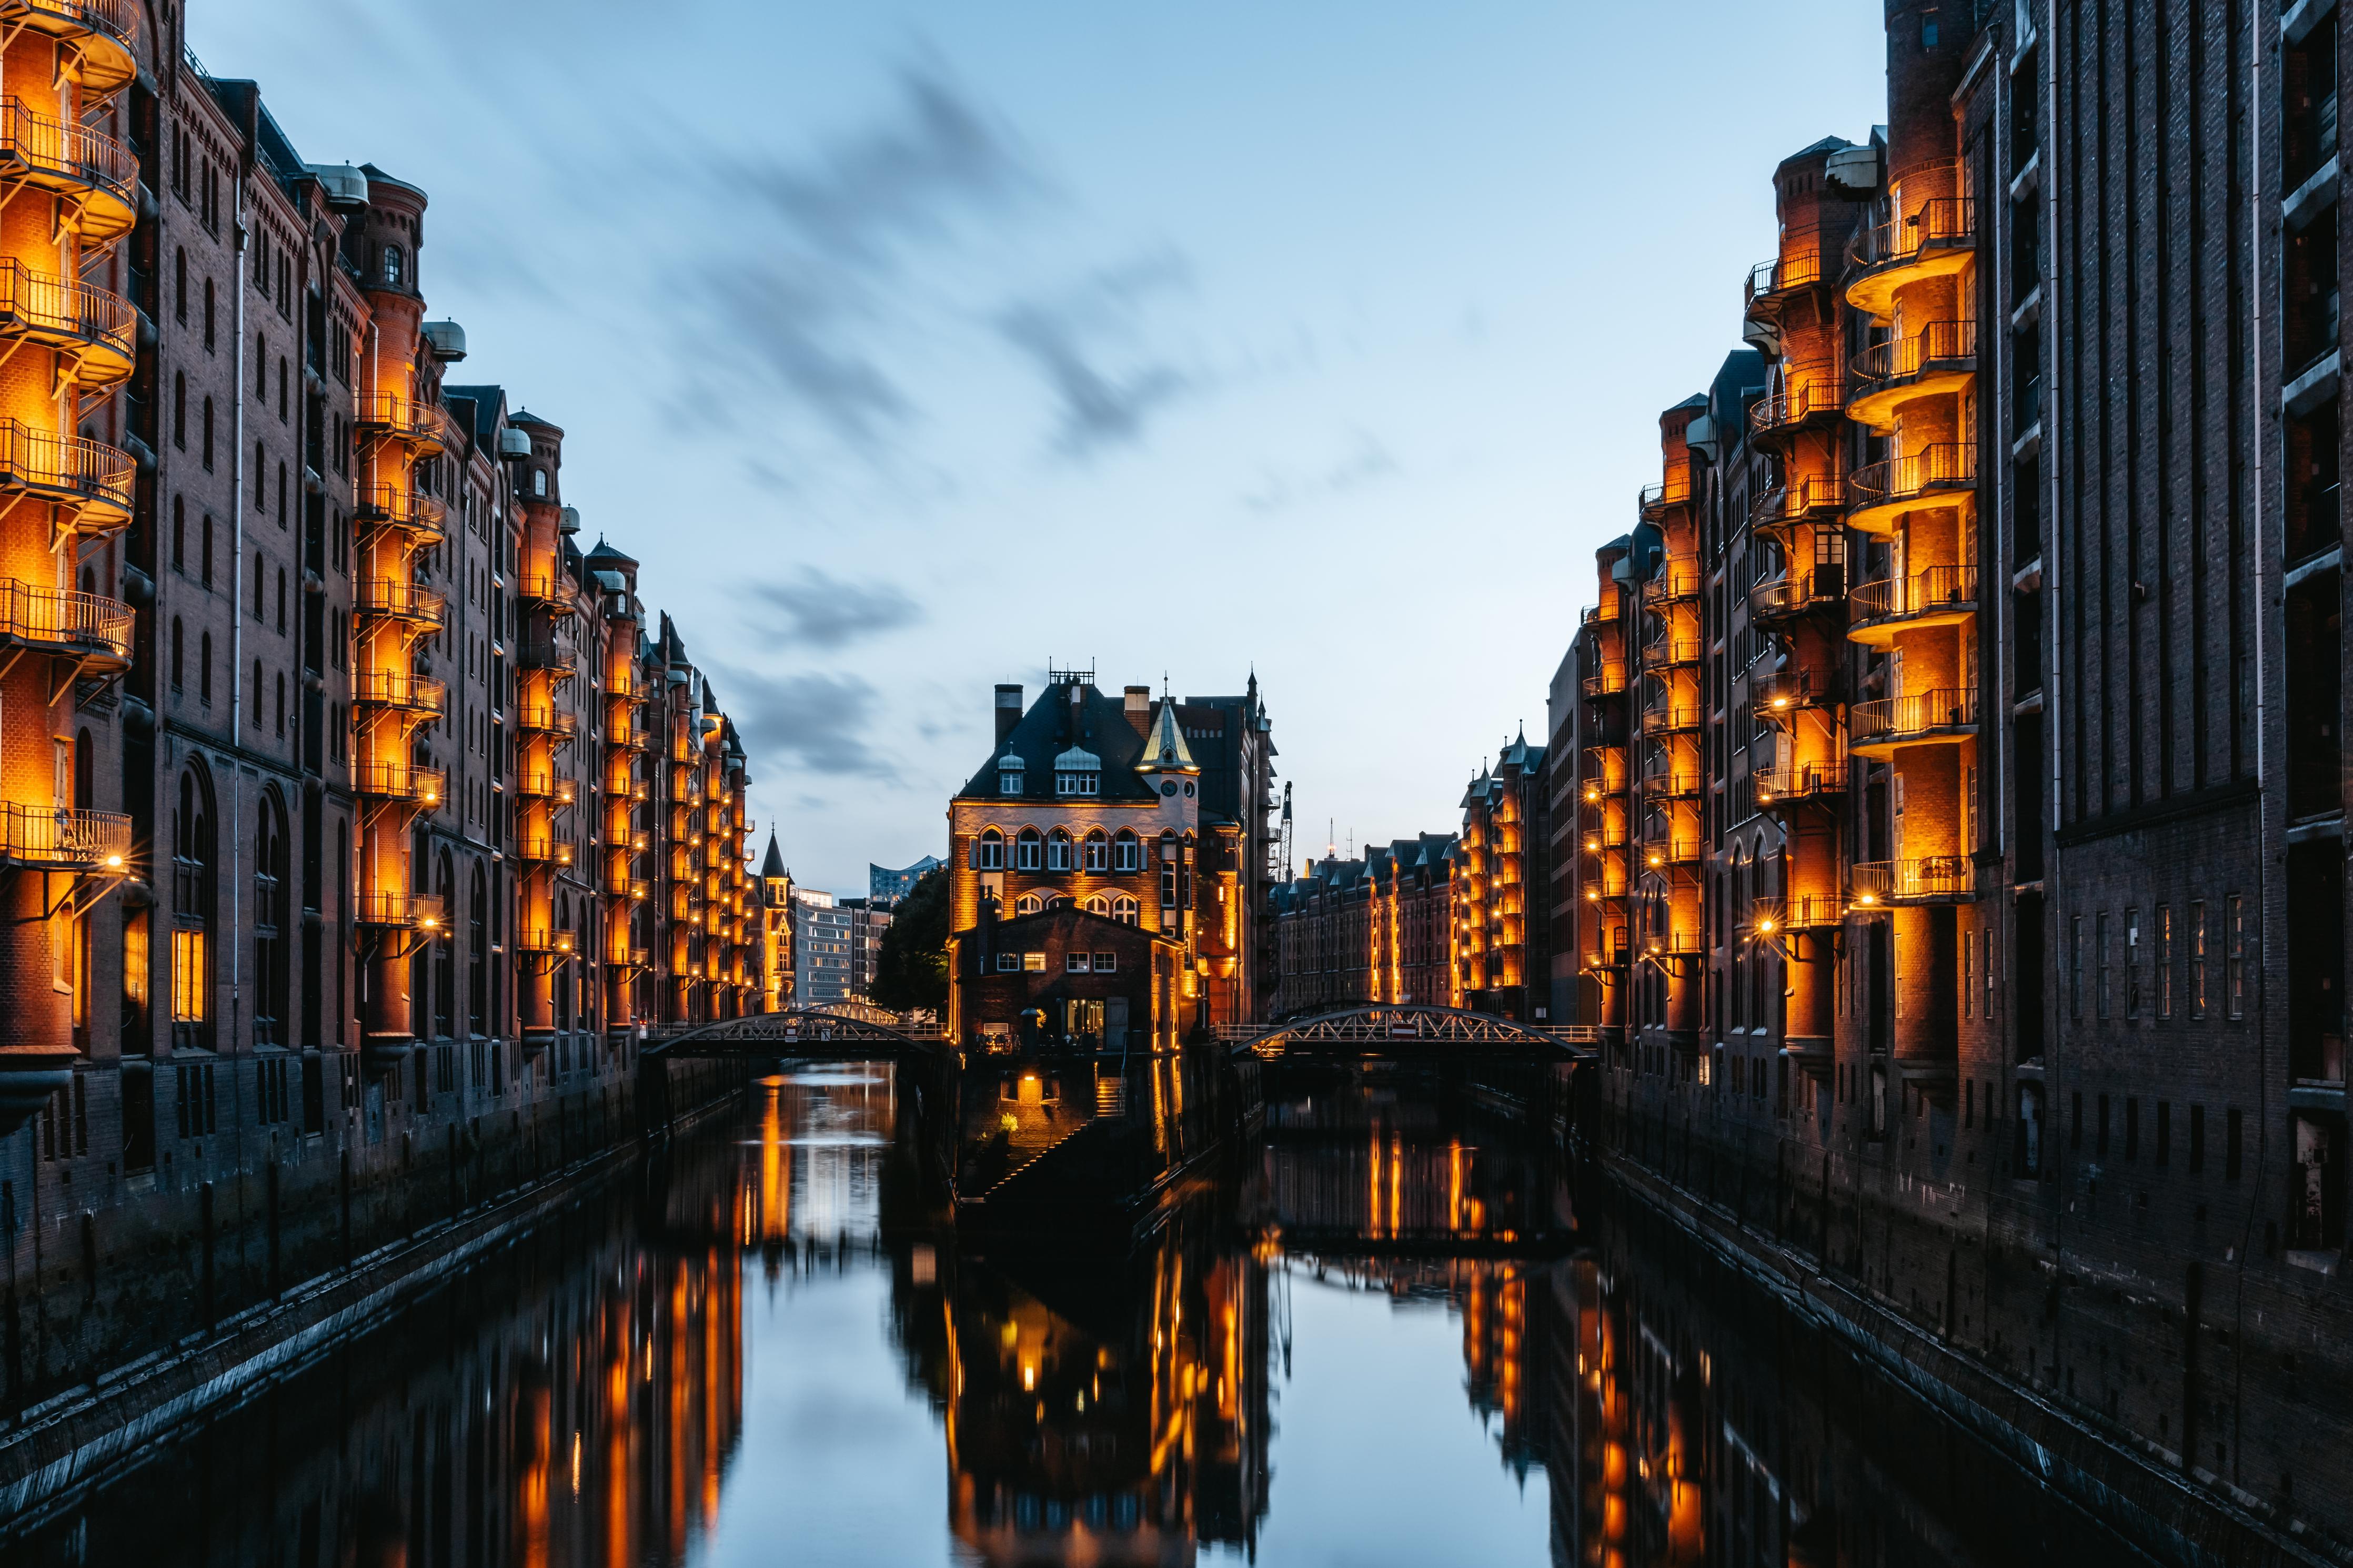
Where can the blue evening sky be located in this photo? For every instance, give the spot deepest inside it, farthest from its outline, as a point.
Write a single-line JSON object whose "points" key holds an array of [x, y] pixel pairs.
{"points": [[911, 345]]}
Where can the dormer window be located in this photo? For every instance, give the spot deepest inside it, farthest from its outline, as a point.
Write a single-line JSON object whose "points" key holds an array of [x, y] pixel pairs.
{"points": [[1078, 772], [1010, 772]]}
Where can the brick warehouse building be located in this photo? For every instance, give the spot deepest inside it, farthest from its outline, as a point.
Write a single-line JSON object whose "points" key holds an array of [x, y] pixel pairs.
{"points": [[1120, 829], [364, 818], [1953, 758], [1377, 928]]}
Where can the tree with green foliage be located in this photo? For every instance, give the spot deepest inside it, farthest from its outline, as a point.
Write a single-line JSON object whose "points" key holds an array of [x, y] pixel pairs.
{"points": [[911, 972]]}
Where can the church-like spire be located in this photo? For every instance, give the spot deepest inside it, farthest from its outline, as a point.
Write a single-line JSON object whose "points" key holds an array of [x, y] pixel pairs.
{"points": [[1167, 752], [774, 866]]}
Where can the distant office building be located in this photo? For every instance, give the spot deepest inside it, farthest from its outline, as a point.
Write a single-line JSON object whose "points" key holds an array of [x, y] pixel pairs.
{"points": [[885, 888], [867, 920], [821, 942]]}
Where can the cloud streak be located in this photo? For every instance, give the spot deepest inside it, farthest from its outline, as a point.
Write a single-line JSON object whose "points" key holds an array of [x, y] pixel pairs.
{"points": [[817, 717], [825, 612], [1068, 338]]}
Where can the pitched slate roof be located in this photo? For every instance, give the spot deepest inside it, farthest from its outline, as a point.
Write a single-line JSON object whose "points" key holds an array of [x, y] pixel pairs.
{"points": [[1053, 725]]}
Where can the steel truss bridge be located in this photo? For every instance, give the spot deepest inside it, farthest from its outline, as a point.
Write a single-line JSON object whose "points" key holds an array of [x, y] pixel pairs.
{"points": [[850, 1031], [1407, 1030]]}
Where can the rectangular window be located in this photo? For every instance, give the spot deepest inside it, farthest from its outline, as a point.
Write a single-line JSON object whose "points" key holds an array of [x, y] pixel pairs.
{"points": [[1169, 888], [1009, 961], [187, 976], [2101, 940], [2233, 1142], [2132, 963], [2235, 956], [1106, 963], [2198, 958], [2076, 968], [1033, 962], [1074, 963], [1969, 974], [2164, 1131], [2164, 962], [2132, 1128], [2197, 1140]]}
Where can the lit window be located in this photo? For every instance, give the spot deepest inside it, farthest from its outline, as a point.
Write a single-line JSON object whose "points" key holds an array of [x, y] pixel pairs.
{"points": [[1124, 910], [1029, 904], [1034, 963]]}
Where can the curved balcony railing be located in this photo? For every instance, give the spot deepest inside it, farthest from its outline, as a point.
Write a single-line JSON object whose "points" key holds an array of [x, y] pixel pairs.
{"points": [[94, 629], [555, 595], [102, 38], [543, 719], [1881, 882], [1878, 491], [383, 506], [1941, 223], [1772, 282], [1807, 912], [389, 416], [1676, 579], [555, 657], [545, 786], [100, 329], [1811, 391], [1947, 710], [399, 689], [400, 781], [1800, 594], [1937, 595], [1902, 359], [86, 166], [1594, 614], [1777, 691], [88, 475], [401, 601], [416, 912], [1656, 498], [1607, 681], [1812, 498], [1771, 789], [59, 838]]}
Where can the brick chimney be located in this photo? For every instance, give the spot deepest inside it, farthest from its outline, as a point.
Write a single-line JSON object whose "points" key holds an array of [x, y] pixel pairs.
{"points": [[1139, 709], [1008, 711]]}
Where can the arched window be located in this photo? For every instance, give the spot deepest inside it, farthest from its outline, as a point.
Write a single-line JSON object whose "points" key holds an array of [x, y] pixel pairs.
{"points": [[445, 953], [1027, 850], [1123, 909], [1029, 904], [269, 936], [180, 286], [180, 533], [192, 905], [260, 477], [1127, 852], [1095, 853], [396, 266], [539, 483], [988, 851], [204, 551], [1057, 851], [180, 409], [179, 654], [257, 694], [282, 601], [1100, 905]]}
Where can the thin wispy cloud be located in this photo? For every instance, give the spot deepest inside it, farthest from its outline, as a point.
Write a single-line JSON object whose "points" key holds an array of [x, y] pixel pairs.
{"points": [[1367, 461], [1071, 339], [816, 610], [814, 719]]}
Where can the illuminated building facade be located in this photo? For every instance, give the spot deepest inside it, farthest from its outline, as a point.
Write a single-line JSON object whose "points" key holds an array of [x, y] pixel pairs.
{"points": [[1502, 918], [777, 986], [1376, 929], [2009, 548], [1094, 833]]}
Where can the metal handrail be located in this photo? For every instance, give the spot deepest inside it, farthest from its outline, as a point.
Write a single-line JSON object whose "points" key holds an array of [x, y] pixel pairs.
{"points": [[1677, 578], [1938, 221], [1666, 493], [60, 836], [543, 849], [1790, 594], [72, 152], [1671, 716], [1801, 781], [65, 466], [1928, 877], [1939, 464], [1804, 912], [119, 19], [545, 717], [405, 418], [1789, 503], [1944, 708], [555, 657], [400, 781], [1778, 690], [67, 309], [1901, 358], [391, 597], [1807, 390], [399, 508], [399, 689], [545, 786], [399, 909], [1784, 273], [1671, 651], [1932, 589], [62, 616]]}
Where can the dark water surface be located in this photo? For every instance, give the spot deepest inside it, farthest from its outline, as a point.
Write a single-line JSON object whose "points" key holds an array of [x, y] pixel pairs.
{"points": [[1388, 1335]]}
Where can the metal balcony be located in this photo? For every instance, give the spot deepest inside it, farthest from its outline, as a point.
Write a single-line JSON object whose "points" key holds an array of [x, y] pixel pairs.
{"points": [[1774, 694], [1606, 681], [1931, 880], [542, 940], [1939, 474], [1672, 783], [1772, 284], [545, 718], [1817, 498], [1808, 911], [1676, 579], [96, 329], [399, 689], [410, 602], [1802, 784], [400, 781], [555, 657], [1810, 394], [1671, 651], [89, 628], [557, 596], [383, 506], [421, 427], [406, 911], [90, 477], [1938, 359], [98, 175], [1671, 717], [1656, 500], [545, 786], [1938, 596], [58, 838], [1794, 595], [99, 39], [1943, 716], [1933, 240]]}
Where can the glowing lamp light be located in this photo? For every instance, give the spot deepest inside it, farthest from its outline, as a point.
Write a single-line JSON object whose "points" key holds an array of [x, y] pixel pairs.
{"points": [[1592, 793], [1780, 702], [114, 862], [1656, 861], [1764, 926], [1764, 795], [1591, 897]]}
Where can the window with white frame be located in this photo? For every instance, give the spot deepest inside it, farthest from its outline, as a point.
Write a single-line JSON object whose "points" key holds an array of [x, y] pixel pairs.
{"points": [[988, 853], [1029, 850], [1095, 853], [1127, 852], [1057, 851]]}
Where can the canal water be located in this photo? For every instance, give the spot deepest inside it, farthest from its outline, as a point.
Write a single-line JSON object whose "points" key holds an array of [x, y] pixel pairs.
{"points": [[1388, 1333]]}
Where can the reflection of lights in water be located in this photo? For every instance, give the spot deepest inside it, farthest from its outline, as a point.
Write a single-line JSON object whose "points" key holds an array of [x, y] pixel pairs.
{"points": [[575, 1464]]}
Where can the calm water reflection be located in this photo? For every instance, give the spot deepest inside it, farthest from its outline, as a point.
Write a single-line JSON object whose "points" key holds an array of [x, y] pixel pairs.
{"points": [[1383, 1342]]}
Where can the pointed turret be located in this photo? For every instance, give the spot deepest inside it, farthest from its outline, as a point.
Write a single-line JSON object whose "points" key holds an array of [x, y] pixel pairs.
{"points": [[1166, 752], [774, 866]]}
